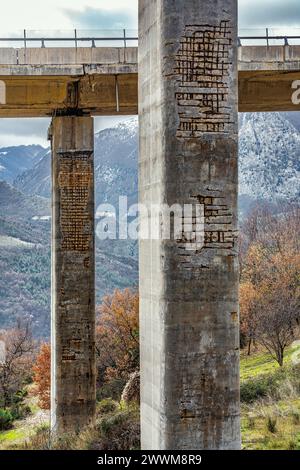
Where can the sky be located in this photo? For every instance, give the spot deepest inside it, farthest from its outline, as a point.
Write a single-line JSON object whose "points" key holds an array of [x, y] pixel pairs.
{"points": [[66, 15]]}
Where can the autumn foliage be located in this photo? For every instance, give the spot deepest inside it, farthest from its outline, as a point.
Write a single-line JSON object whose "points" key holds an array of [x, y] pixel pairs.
{"points": [[117, 336], [117, 345], [270, 281], [42, 376]]}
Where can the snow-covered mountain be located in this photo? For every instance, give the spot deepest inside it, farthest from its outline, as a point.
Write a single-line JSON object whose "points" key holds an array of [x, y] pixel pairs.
{"points": [[269, 158], [36, 180], [16, 160], [116, 163], [116, 153]]}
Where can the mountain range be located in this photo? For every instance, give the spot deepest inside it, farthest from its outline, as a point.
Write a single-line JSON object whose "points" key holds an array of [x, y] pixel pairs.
{"points": [[269, 161], [116, 154], [16, 160]]}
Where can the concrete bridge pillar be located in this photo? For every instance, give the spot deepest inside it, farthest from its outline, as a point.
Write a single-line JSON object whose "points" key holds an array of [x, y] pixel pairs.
{"points": [[73, 291], [189, 291]]}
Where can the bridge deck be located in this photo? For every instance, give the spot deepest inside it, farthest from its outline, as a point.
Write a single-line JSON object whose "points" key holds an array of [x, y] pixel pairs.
{"points": [[103, 81]]}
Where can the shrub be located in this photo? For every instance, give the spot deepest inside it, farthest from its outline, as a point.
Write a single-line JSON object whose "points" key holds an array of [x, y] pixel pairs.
{"points": [[20, 411], [295, 416], [19, 396], [251, 422], [112, 389], [42, 376], [40, 440], [6, 419], [256, 388], [107, 406], [271, 424], [283, 383], [117, 429], [120, 431], [293, 444]]}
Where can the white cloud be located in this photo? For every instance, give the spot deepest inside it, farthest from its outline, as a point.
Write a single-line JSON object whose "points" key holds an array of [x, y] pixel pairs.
{"points": [[269, 13], [11, 140], [34, 130], [23, 131], [52, 14]]}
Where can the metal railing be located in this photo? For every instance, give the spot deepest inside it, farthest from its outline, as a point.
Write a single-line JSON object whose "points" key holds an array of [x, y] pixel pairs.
{"points": [[124, 38], [286, 40], [269, 36], [76, 38]]}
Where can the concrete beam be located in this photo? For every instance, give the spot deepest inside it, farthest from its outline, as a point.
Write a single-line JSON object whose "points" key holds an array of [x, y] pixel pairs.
{"points": [[280, 58], [266, 75], [269, 90], [70, 61], [95, 94], [189, 291], [59, 57], [104, 81], [73, 270]]}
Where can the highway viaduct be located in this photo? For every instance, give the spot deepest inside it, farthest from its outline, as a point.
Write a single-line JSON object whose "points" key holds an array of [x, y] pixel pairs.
{"points": [[187, 81], [104, 81]]}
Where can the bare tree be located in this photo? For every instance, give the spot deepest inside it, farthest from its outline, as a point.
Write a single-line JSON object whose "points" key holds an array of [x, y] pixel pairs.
{"points": [[270, 279], [278, 323], [15, 367]]}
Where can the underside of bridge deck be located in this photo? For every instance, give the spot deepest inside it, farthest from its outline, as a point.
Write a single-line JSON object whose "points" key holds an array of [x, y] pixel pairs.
{"points": [[38, 96], [103, 95], [267, 90]]}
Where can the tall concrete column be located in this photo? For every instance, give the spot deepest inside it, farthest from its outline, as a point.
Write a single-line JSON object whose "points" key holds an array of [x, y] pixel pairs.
{"points": [[188, 155], [73, 290]]}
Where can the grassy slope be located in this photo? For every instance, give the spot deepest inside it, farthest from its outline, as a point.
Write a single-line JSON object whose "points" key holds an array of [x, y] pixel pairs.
{"points": [[25, 428], [273, 421], [263, 363]]}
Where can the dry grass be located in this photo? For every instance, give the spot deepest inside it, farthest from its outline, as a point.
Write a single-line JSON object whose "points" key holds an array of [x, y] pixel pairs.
{"points": [[117, 427]]}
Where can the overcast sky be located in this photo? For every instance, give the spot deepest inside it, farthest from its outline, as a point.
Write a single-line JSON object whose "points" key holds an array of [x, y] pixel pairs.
{"points": [[108, 14]]}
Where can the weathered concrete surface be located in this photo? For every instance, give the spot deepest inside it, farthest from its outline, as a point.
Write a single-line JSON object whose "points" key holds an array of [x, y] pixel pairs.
{"points": [[268, 90], [266, 75], [97, 94], [73, 290], [100, 81], [188, 154], [61, 56], [285, 58], [104, 81], [102, 95], [37, 61]]}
